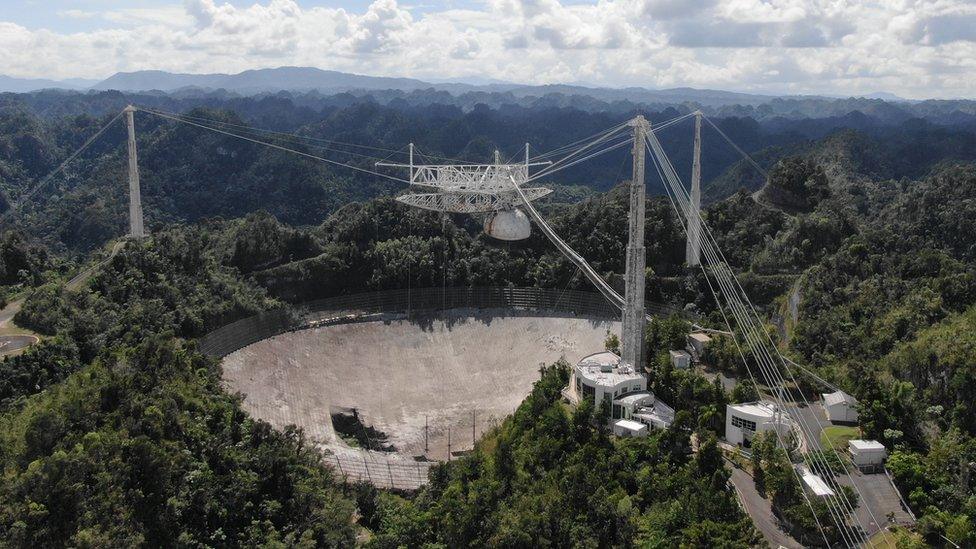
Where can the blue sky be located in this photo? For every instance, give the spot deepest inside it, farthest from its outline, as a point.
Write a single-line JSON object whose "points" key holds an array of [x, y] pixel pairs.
{"points": [[914, 48], [38, 14]]}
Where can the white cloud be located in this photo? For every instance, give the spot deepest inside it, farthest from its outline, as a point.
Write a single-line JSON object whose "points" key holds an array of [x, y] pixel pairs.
{"points": [[77, 14], [916, 48]]}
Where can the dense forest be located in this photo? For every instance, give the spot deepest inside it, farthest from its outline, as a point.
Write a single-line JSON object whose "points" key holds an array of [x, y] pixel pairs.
{"points": [[116, 432], [190, 173]]}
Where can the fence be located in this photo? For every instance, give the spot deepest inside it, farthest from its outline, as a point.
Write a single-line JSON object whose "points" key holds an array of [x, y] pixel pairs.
{"points": [[379, 469], [411, 303]]}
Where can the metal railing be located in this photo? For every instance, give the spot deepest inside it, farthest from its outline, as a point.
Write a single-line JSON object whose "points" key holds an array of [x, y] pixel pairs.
{"points": [[412, 303]]}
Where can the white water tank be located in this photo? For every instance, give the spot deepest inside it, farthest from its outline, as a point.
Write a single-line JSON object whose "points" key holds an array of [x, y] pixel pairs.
{"points": [[508, 225]]}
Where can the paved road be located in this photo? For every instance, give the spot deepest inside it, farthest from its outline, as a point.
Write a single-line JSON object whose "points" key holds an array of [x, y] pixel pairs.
{"points": [[10, 344], [879, 499], [759, 510], [814, 420], [8, 312], [16, 342]]}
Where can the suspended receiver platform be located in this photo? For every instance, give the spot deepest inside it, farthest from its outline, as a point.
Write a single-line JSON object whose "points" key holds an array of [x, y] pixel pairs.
{"points": [[475, 189]]}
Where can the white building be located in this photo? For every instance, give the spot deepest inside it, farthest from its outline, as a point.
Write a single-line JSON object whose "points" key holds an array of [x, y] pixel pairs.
{"points": [[840, 407], [680, 359], [645, 408], [697, 343], [628, 428], [743, 421], [867, 454], [601, 377], [814, 482]]}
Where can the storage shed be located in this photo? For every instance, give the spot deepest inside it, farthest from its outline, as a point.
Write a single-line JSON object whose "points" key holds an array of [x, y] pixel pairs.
{"points": [[840, 407], [681, 359]]}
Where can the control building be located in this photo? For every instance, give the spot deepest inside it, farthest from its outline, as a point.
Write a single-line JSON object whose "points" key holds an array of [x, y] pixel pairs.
{"points": [[743, 421], [601, 377]]}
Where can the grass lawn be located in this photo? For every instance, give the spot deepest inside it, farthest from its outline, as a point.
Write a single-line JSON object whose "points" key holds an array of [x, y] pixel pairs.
{"points": [[838, 435], [881, 541]]}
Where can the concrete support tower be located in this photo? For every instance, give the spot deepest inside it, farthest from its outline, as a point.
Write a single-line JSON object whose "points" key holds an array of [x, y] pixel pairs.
{"points": [[693, 249], [136, 229], [632, 340]]}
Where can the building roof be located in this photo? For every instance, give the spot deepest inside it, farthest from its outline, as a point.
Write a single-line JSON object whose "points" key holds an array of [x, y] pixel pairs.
{"points": [[700, 337], [636, 398], [865, 445], [814, 482], [602, 358], [656, 412], [630, 425], [593, 368], [838, 397], [756, 409]]}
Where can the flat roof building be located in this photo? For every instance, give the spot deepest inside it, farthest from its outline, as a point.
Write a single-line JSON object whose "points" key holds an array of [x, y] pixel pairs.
{"points": [[628, 428], [867, 454], [680, 359], [743, 421], [697, 343]]}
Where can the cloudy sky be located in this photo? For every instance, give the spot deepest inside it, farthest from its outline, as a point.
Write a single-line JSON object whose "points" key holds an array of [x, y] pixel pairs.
{"points": [[915, 49]]}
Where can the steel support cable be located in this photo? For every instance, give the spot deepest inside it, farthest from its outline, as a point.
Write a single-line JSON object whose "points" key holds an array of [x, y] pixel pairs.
{"points": [[763, 370], [809, 433], [767, 363], [601, 285], [568, 146], [606, 135], [752, 329], [682, 215], [554, 168], [612, 143], [565, 162], [250, 128], [293, 136], [605, 150], [765, 360], [14, 206], [681, 219], [286, 149], [736, 147], [254, 133]]}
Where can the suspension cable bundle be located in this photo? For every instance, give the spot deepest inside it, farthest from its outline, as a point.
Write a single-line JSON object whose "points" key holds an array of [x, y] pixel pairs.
{"points": [[770, 361]]}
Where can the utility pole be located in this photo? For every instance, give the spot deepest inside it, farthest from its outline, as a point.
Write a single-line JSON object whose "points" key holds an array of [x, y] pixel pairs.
{"points": [[632, 344], [426, 448], [135, 199], [473, 438], [693, 249], [448, 444]]}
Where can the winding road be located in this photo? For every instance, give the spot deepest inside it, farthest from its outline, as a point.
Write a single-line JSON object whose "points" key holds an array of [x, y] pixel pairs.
{"points": [[15, 342]]}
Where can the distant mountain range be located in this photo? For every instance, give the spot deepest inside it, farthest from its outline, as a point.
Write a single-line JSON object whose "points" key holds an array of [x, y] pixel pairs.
{"points": [[23, 85], [307, 79]]}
